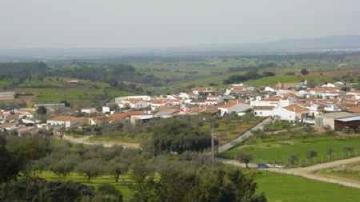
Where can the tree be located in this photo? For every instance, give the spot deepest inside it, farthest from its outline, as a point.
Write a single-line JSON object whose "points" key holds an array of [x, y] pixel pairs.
{"points": [[28, 189], [267, 74], [27, 149], [330, 153], [244, 158], [90, 168], [179, 135], [108, 193], [304, 72], [293, 160], [64, 166], [348, 151], [117, 168], [41, 113], [181, 181], [10, 167], [311, 154]]}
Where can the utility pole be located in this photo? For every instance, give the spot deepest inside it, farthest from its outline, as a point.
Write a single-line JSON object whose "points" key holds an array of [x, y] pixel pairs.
{"points": [[211, 129], [212, 142]]}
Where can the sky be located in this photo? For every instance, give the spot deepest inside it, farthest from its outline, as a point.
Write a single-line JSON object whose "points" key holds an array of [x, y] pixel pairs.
{"points": [[170, 23]]}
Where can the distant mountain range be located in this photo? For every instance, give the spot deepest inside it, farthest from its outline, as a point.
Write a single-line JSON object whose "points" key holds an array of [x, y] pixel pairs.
{"points": [[317, 44], [288, 46]]}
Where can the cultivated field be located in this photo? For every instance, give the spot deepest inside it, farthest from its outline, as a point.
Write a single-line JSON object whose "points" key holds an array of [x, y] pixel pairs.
{"points": [[280, 151], [347, 171], [287, 188]]}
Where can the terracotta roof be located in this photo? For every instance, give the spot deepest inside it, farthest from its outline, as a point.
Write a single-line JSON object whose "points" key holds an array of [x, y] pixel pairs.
{"points": [[123, 115], [326, 89], [269, 108], [296, 108], [68, 118], [229, 104], [158, 101], [274, 98], [353, 109]]}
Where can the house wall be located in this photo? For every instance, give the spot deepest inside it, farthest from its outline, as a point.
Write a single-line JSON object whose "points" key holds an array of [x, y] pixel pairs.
{"points": [[284, 114], [340, 125], [329, 122], [263, 113], [66, 124]]}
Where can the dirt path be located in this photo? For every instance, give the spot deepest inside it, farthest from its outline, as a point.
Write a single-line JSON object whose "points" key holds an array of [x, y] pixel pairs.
{"points": [[85, 140], [310, 172], [243, 137]]}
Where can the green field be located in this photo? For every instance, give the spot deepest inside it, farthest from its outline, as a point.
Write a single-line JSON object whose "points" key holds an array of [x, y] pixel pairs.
{"points": [[279, 151], [348, 171], [286, 188], [85, 94], [277, 188]]}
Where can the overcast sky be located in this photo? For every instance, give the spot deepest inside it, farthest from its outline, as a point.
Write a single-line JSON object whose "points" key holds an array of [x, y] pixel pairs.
{"points": [[164, 23]]}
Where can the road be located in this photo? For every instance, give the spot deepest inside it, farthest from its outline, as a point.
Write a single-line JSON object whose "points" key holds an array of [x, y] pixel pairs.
{"points": [[85, 140], [310, 172], [243, 137]]}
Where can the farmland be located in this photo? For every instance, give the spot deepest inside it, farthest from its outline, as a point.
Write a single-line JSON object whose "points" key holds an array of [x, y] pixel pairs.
{"points": [[279, 151], [347, 171], [286, 188]]}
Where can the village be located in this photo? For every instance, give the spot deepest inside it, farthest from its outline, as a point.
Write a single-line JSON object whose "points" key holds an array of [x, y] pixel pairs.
{"points": [[332, 106]]}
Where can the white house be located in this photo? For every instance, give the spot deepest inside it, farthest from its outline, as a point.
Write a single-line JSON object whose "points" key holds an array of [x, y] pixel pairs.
{"points": [[291, 113], [66, 121], [88, 110], [269, 102], [59, 121], [234, 107], [120, 100], [105, 109], [331, 108], [269, 89], [264, 111]]}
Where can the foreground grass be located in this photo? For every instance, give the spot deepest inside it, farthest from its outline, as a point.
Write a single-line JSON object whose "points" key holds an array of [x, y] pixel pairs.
{"points": [[286, 188], [279, 151], [277, 187], [95, 182], [348, 171]]}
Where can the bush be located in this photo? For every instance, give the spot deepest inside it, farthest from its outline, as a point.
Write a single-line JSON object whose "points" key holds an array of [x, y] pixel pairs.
{"points": [[41, 190], [178, 135]]}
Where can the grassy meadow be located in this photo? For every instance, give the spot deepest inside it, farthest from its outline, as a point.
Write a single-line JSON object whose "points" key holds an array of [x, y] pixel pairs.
{"points": [[348, 171], [277, 187], [279, 151], [287, 188]]}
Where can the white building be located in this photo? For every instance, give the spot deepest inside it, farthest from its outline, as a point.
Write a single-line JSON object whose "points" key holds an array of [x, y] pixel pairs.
{"points": [[264, 111], [88, 110], [105, 109], [290, 113], [269, 102]]}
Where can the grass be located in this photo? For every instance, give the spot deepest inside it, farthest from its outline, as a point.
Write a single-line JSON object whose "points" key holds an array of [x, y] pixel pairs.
{"points": [[230, 129], [277, 187], [287, 188], [279, 151], [77, 96], [119, 138], [105, 179], [348, 171]]}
